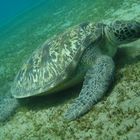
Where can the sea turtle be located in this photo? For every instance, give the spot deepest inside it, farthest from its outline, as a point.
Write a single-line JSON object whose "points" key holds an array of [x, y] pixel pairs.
{"points": [[82, 53]]}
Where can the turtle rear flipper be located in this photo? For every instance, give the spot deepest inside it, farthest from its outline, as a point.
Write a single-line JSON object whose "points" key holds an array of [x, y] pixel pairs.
{"points": [[8, 106], [95, 85]]}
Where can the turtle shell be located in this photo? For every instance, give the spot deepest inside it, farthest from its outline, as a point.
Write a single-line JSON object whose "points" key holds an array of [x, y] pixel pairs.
{"points": [[53, 64]]}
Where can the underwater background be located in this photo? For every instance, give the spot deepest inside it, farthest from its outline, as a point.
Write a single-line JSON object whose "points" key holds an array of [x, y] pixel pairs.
{"points": [[26, 24]]}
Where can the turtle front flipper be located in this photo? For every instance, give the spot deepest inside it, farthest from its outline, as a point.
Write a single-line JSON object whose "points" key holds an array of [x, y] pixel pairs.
{"points": [[96, 82], [8, 106]]}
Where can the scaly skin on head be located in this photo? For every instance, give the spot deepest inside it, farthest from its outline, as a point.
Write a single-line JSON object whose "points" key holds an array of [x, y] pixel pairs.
{"points": [[121, 32]]}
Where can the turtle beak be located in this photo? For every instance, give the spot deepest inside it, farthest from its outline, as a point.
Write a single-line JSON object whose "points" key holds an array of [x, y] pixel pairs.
{"points": [[134, 28], [137, 27]]}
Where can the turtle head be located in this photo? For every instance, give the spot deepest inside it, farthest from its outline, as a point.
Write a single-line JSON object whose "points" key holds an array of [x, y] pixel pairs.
{"points": [[121, 32]]}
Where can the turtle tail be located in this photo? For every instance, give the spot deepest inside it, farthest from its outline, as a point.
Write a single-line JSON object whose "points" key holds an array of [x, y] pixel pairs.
{"points": [[8, 105]]}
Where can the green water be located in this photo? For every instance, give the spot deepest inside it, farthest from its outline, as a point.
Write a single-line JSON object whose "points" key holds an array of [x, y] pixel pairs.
{"points": [[25, 32]]}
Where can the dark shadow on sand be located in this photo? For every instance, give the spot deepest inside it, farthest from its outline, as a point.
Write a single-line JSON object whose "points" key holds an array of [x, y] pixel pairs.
{"points": [[54, 99]]}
